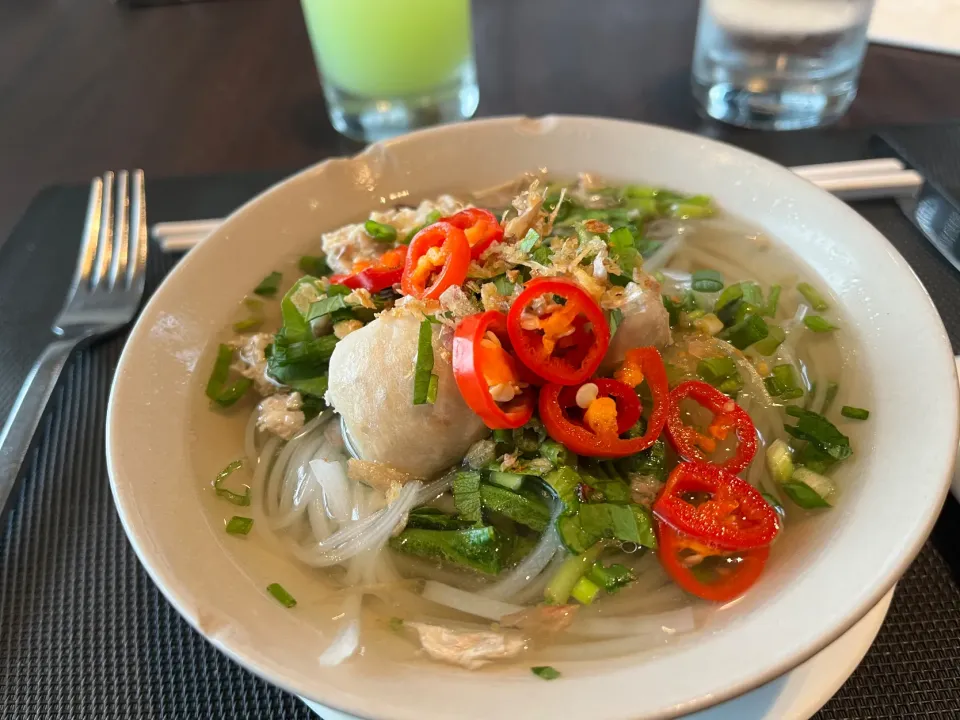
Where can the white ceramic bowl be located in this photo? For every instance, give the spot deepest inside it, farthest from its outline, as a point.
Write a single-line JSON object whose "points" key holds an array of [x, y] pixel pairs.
{"points": [[824, 575]]}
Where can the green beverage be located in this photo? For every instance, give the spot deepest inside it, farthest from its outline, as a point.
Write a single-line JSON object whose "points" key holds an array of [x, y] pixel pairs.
{"points": [[391, 65]]}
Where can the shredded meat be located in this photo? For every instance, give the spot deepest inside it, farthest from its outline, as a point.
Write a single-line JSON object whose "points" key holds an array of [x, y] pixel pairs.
{"points": [[253, 362], [281, 415], [376, 474], [468, 649], [542, 619]]}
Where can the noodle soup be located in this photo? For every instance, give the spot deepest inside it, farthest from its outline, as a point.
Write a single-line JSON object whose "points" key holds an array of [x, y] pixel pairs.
{"points": [[559, 421]]}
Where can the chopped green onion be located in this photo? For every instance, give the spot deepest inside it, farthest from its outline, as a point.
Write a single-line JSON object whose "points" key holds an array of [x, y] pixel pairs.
{"points": [[779, 461], [235, 498], [432, 217], [816, 300], [730, 295], [707, 281], [255, 320], [768, 346], [281, 595], [610, 578], [546, 672], [585, 591], [325, 306], [556, 453], [818, 323], [511, 481], [687, 210], [239, 525], [804, 496], [782, 383], [831, 395], [314, 265], [774, 503], [503, 436], [217, 389], [614, 318], [269, 285], [424, 368], [716, 369], [854, 413], [773, 300], [432, 388], [529, 241], [396, 624], [380, 231], [573, 568], [746, 332]]}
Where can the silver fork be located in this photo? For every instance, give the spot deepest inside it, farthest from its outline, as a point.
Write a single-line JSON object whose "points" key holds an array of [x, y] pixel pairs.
{"points": [[103, 297]]}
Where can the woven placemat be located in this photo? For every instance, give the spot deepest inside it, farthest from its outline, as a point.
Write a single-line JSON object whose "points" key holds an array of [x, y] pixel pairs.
{"points": [[85, 634]]}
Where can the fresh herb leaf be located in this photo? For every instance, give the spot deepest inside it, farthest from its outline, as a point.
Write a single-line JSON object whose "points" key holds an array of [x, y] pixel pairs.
{"points": [[854, 413], [773, 300], [235, 498], [281, 595], [314, 265], [614, 318], [746, 332], [269, 285], [817, 430], [623, 250], [564, 482], [522, 509], [466, 496], [476, 548], [432, 388], [326, 306], [529, 241], [503, 286], [423, 371], [218, 390], [611, 578], [596, 521], [380, 231], [707, 281], [295, 306], [289, 362], [783, 384], [542, 255], [313, 387], [546, 672], [429, 518], [804, 495], [239, 525], [676, 305]]}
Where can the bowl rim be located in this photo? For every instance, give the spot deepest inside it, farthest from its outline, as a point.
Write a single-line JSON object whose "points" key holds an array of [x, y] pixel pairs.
{"points": [[174, 592]]}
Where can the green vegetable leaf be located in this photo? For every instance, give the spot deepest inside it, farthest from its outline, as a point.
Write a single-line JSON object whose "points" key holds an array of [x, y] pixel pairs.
{"points": [[524, 509], [773, 300], [746, 332], [288, 362], [564, 482], [503, 286], [239, 525], [804, 495], [325, 306], [820, 432], [611, 578], [546, 672], [529, 241], [596, 521], [423, 371], [269, 285], [295, 306], [428, 518], [623, 250], [466, 496], [614, 318], [314, 265], [476, 548]]}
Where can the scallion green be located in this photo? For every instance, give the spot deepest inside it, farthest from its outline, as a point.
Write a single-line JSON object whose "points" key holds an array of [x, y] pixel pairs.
{"points": [[818, 323], [230, 495], [218, 390], [281, 595], [254, 320], [707, 281], [746, 332], [380, 231], [812, 296], [585, 591], [239, 525], [775, 337], [423, 371], [545, 672], [269, 285], [829, 397], [773, 300], [314, 265], [854, 413]]}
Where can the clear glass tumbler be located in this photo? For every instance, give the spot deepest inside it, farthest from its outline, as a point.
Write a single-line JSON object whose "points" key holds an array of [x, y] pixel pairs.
{"points": [[779, 64], [389, 66]]}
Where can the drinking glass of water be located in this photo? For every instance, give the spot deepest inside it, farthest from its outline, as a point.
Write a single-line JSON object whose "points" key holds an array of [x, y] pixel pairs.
{"points": [[389, 66], [779, 64]]}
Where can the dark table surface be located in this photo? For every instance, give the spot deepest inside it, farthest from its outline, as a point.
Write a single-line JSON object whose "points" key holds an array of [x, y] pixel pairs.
{"points": [[86, 85]]}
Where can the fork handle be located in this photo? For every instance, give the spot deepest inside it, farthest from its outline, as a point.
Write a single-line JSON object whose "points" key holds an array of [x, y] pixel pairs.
{"points": [[24, 418]]}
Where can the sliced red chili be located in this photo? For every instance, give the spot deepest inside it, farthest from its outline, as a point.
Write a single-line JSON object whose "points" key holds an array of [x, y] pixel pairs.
{"points": [[733, 515], [482, 361], [707, 572], [571, 425], [727, 415], [480, 228], [565, 341], [386, 272], [438, 258]]}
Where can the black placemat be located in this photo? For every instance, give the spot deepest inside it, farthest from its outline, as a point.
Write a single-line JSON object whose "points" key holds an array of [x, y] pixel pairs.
{"points": [[85, 634]]}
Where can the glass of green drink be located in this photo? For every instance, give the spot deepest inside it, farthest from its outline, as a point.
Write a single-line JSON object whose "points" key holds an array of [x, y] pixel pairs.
{"points": [[389, 66]]}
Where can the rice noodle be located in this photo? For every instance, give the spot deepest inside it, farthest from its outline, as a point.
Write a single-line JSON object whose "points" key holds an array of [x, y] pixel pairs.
{"points": [[468, 602], [672, 622], [664, 254], [347, 640]]}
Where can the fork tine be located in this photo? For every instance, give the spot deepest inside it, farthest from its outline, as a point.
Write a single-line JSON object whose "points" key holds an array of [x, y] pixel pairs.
{"points": [[105, 241], [121, 232], [137, 265], [91, 235]]}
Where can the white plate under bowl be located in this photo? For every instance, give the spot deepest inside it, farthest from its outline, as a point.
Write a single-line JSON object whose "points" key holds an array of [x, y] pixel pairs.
{"points": [[796, 695], [824, 574]]}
